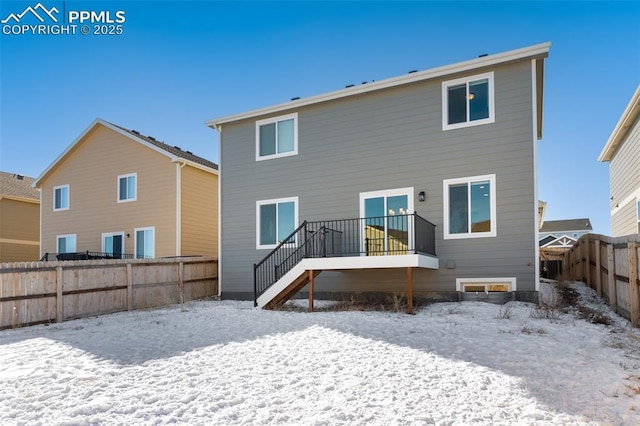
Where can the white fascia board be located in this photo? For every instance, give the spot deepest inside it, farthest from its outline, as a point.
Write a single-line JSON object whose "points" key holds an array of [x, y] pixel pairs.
{"points": [[620, 131], [485, 61], [196, 165]]}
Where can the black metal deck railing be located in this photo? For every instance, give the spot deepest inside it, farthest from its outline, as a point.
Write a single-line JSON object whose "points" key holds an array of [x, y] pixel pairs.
{"points": [[372, 236], [84, 255]]}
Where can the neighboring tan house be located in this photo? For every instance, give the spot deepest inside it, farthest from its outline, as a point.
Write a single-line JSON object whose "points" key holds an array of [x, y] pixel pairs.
{"points": [[622, 151], [119, 193], [19, 219], [424, 182], [563, 233]]}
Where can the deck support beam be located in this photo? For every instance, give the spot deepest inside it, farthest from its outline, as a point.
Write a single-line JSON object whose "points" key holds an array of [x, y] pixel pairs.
{"points": [[311, 274], [410, 290]]}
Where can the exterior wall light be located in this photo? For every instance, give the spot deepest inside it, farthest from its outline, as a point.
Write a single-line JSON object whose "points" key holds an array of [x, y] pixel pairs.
{"points": [[421, 196]]}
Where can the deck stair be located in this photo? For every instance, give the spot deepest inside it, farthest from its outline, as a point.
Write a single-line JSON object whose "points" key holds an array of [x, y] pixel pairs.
{"points": [[361, 243]]}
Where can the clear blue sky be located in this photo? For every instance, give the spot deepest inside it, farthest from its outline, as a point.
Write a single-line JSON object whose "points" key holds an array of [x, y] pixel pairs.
{"points": [[180, 63]]}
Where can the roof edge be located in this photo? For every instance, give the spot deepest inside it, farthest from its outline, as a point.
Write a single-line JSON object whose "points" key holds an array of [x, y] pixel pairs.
{"points": [[541, 49], [98, 121], [620, 131]]}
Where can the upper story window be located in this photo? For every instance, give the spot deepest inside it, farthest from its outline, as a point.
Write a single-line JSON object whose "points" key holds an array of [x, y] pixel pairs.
{"points": [[468, 101], [277, 137], [276, 220], [127, 190], [470, 207], [61, 197]]}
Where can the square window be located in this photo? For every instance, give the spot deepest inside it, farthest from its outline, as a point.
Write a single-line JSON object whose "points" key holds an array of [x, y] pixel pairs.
{"points": [[276, 220], [61, 197], [127, 190], [468, 101], [470, 207], [277, 137], [66, 243]]}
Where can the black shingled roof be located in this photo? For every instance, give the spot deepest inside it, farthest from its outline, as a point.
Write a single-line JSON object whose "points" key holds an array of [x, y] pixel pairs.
{"points": [[174, 150]]}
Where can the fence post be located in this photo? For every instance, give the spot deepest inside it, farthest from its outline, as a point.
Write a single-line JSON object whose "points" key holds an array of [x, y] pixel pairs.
{"points": [[598, 266], [129, 288], [566, 266], [59, 300], [611, 278], [587, 257], [633, 285], [181, 281]]}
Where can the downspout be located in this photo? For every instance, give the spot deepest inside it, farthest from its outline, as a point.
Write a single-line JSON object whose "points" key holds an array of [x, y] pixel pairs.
{"points": [[219, 129], [179, 167]]}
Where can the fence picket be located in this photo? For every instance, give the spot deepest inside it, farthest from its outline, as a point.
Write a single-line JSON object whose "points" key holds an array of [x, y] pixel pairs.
{"points": [[28, 291]]}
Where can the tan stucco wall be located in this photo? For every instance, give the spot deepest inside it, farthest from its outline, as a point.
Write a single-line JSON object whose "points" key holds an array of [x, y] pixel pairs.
{"points": [[19, 230], [199, 212], [91, 170]]}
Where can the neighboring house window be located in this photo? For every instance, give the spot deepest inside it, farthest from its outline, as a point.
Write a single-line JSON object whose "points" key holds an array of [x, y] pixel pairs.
{"points": [[113, 244], [638, 215], [485, 285], [61, 197], [276, 220], [145, 242], [468, 101], [127, 187], [470, 207], [277, 137], [66, 243]]}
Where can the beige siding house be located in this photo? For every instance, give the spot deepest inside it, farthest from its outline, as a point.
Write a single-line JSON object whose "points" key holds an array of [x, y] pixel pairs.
{"points": [[119, 193], [622, 151], [19, 219]]}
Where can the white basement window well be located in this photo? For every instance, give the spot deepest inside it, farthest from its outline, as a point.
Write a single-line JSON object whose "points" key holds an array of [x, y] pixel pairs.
{"points": [[277, 137], [486, 285], [470, 207], [468, 101], [275, 221]]}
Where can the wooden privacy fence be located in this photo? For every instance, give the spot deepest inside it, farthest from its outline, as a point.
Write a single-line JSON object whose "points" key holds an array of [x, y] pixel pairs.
{"points": [[43, 292], [610, 266]]}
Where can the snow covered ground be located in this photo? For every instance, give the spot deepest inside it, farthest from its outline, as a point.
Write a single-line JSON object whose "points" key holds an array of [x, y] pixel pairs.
{"points": [[215, 362]]}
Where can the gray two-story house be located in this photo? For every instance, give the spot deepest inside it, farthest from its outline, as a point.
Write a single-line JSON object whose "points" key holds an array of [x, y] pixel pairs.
{"points": [[422, 184]]}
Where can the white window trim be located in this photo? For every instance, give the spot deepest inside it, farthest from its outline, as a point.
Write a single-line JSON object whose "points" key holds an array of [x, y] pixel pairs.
{"points": [[128, 200], [484, 281], [492, 195], [59, 237], [135, 241], [275, 120], [465, 80], [68, 198], [409, 192], [111, 234], [274, 201]]}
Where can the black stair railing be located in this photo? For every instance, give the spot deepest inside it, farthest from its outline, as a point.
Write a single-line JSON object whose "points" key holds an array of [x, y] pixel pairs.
{"points": [[372, 236]]}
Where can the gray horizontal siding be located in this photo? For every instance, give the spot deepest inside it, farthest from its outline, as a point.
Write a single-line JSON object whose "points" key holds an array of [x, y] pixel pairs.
{"points": [[624, 173], [385, 140]]}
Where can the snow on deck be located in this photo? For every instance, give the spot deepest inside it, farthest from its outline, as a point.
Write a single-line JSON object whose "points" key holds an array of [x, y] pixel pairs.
{"points": [[228, 363]]}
